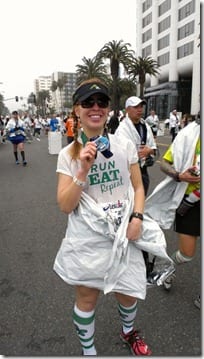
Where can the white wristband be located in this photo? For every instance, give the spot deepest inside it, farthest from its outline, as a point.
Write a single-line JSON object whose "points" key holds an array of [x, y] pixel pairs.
{"points": [[78, 182]]}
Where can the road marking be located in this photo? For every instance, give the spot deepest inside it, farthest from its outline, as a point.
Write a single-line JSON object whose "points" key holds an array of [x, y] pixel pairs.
{"points": [[163, 144]]}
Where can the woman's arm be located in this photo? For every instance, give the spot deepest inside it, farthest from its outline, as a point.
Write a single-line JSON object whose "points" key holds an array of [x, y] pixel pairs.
{"points": [[69, 190], [134, 226]]}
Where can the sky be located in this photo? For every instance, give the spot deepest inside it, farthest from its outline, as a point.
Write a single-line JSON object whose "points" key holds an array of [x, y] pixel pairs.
{"points": [[40, 37]]}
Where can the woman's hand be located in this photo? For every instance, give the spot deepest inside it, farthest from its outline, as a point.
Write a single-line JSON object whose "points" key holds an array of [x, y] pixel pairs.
{"points": [[87, 156], [134, 229]]}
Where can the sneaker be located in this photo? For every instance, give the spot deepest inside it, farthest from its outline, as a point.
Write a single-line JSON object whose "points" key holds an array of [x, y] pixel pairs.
{"points": [[168, 282], [197, 302], [24, 163], [17, 162], [136, 343], [159, 277]]}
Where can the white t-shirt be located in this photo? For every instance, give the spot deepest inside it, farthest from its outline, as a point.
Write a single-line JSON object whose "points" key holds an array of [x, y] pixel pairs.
{"points": [[108, 179]]}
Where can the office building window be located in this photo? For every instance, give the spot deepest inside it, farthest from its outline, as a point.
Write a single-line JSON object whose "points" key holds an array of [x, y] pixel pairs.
{"points": [[164, 24], [164, 7], [163, 59], [146, 5], [163, 42], [186, 10], [147, 51], [186, 30], [185, 50], [147, 20], [147, 35]]}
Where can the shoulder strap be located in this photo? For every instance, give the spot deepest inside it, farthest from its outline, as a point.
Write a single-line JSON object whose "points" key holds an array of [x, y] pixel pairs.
{"points": [[142, 130]]}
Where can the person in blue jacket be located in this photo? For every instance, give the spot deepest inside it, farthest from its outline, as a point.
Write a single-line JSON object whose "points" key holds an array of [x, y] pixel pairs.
{"points": [[15, 130], [54, 124]]}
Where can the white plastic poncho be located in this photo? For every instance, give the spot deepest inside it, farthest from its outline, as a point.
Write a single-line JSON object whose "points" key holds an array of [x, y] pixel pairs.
{"points": [[161, 205], [127, 129], [93, 254]]}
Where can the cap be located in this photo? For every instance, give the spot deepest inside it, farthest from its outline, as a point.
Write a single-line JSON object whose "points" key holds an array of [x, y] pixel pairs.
{"points": [[88, 89], [134, 101]]}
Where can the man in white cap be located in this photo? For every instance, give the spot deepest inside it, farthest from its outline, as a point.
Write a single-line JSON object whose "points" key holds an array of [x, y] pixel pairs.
{"points": [[174, 124], [135, 129]]}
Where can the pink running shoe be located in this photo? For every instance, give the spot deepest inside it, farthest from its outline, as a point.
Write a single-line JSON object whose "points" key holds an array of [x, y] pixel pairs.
{"points": [[135, 343]]}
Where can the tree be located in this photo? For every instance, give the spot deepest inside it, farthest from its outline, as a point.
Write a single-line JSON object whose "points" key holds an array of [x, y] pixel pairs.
{"points": [[91, 68], [41, 101], [118, 53], [3, 109], [32, 98], [60, 84], [141, 67], [53, 88]]}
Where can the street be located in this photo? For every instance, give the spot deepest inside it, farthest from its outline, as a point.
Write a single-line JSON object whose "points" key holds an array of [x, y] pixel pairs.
{"points": [[36, 305]]}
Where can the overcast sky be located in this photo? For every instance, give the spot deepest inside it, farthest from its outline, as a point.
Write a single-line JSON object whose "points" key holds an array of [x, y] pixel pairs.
{"points": [[40, 37]]}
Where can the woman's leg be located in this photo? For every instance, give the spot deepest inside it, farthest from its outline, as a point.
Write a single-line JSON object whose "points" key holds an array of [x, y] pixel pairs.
{"points": [[127, 308], [84, 317], [15, 151], [21, 149]]}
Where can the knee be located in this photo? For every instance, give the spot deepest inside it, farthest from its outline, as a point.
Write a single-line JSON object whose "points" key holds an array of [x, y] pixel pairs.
{"points": [[86, 298]]}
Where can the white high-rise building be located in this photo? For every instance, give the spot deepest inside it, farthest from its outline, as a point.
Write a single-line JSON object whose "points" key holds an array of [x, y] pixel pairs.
{"points": [[62, 98], [43, 83], [169, 32]]}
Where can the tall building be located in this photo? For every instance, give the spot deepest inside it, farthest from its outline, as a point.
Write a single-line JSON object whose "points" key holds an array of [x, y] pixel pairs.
{"points": [[62, 98], [169, 32], [43, 83]]}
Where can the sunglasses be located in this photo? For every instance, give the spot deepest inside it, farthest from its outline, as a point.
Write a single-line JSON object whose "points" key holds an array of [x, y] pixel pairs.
{"points": [[90, 102]]}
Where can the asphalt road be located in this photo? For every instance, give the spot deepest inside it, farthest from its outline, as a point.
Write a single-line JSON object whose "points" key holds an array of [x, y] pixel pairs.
{"points": [[36, 305]]}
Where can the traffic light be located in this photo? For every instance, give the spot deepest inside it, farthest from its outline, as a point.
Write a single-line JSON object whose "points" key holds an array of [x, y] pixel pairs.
{"points": [[16, 98]]}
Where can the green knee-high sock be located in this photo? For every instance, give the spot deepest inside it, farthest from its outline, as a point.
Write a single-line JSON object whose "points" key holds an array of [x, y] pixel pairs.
{"points": [[85, 327], [127, 317]]}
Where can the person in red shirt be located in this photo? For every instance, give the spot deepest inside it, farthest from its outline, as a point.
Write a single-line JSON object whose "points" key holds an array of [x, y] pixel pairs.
{"points": [[69, 128]]}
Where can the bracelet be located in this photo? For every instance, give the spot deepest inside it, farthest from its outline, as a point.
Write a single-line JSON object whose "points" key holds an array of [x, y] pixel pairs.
{"points": [[136, 215], [176, 177], [78, 182]]}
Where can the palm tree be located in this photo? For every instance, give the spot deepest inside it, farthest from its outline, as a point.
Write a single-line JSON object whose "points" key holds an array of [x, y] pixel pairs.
{"points": [[42, 97], [3, 109], [60, 84], [118, 53], [142, 66], [53, 88], [91, 68]]}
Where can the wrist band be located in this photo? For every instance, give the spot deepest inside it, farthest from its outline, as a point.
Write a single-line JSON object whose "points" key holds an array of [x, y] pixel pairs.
{"points": [[136, 215], [78, 182], [176, 177]]}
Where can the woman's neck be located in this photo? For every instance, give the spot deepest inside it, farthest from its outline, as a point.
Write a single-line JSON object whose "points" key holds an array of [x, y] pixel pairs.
{"points": [[92, 133]]}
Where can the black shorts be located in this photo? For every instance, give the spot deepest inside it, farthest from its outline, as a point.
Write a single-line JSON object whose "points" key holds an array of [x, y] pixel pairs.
{"points": [[190, 222]]}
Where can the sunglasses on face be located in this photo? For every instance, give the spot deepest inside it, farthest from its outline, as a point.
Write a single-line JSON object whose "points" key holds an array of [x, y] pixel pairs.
{"points": [[90, 102]]}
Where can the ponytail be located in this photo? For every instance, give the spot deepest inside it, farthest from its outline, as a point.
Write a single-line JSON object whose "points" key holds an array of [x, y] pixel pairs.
{"points": [[76, 146]]}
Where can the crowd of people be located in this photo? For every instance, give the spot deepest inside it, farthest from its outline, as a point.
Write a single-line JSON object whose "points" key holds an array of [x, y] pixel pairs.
{"points": [[113, 224]]}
